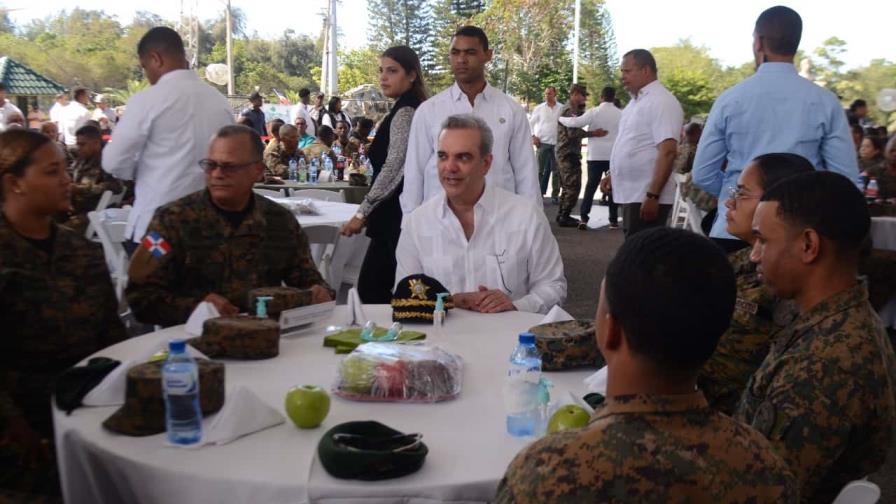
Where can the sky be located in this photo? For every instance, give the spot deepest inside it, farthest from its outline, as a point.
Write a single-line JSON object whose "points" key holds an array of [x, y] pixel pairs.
{"points": [[723, 26]]}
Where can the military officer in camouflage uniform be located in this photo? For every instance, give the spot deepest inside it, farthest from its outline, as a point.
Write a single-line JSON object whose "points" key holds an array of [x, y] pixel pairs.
{"points": [[758, 314], [569, 156], [322, 145], [58, 304], [824, 394], [655, 439], [684, 163], [276, 159], [219, 243]]}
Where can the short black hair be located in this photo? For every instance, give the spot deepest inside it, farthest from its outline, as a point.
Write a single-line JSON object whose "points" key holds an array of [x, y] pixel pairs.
{"points": [[781, 29], [78, 92], [89, 131], [161, 39], [364, 123], [827, 202], [233, 130], [275, 125], [325, 132], [608, 93], [777, 166], [643, 58], [673, 293], [304, 92], [858, 103], [474, 32]]}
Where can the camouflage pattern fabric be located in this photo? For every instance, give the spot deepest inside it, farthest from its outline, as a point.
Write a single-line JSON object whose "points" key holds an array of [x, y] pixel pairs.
{"points": [[650, 449], [315, 150], [886, 181], [824, 395], [190, 250], [276, 160], [879, 267], [684, 162], [240, 337], [567, 345], [569, 161], [57, 309], [285, 298], [89, 182], [143, 412], [740, 351]]}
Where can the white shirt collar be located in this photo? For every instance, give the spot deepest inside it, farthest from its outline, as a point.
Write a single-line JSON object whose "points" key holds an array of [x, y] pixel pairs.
{"points": [[646, 90], [485, 203], [457, 93]]}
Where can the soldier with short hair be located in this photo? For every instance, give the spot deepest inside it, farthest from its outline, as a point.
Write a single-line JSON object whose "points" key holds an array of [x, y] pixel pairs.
{"points": [[217, 244], [276, 159], [569, 156], [656, 439], [824, 394]]}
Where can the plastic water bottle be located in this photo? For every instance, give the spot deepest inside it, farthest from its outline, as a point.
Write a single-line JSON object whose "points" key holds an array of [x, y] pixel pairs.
{"points": [[521, 388], [303, 170], [328, 165], [872, 191], [180, 385], [293, 170], [862, 183], [312, 172]]}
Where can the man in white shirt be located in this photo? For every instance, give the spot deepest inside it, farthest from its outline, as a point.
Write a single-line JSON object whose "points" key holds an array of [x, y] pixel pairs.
{"points": [[492, 249], [102, 110], [57, 108], [604, 121], [165, 130], [513, 168], [303, 109], [7, 109], [543, 122], [75, 115], [645, 149]]}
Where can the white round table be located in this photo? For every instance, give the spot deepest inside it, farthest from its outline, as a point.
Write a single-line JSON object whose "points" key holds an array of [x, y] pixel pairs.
{"points": [[469, 449]]}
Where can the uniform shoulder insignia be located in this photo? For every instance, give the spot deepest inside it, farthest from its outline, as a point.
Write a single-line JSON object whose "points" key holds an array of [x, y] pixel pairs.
{"points": [[155, 244]]}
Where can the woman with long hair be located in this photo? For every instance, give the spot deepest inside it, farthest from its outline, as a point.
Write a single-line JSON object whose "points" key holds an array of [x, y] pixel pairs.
{"points": [[402, 80]]}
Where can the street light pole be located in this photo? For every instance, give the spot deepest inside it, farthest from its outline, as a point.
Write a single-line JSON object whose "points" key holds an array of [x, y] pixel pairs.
{"points": [[575, 43], [229, 23]]}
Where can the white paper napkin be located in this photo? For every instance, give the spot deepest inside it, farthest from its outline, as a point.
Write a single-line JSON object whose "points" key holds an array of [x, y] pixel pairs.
{"points": [[597, 382], [201, 313], [243, 413], [556, 314], [355, 309]]}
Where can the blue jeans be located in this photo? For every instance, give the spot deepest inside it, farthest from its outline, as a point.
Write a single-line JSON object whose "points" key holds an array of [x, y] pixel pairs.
{"points": [[547, 164], [596, 170]]}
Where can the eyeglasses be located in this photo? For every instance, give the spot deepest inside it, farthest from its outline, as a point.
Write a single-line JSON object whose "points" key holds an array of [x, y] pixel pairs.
{"points": [[209, 165], [737, 193]]}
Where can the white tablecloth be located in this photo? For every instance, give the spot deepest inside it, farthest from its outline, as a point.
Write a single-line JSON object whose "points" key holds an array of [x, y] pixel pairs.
{"points": [[468, 447], [883, 232]]}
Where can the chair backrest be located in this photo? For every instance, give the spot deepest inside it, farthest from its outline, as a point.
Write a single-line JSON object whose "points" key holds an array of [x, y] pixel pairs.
{"points": [[858, 492], [319, 194], [322, 242], [105, 200], [270, 193], [116, 199], [111, 235]]}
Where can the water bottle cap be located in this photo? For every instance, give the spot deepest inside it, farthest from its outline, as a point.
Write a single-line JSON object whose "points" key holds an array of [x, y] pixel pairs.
{"points": [[177, 346], [527, 338]]}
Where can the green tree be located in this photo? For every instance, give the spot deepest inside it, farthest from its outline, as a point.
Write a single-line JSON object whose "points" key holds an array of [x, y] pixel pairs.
{"points": [[357, 67], [829, 62], [402, 22]]}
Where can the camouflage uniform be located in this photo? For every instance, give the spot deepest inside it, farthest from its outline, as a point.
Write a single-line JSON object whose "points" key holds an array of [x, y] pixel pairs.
{"points": [[662, 449], [315, 150], [349, 149], [89, 182], [757, 316], [824, 395], [684, 162], [886, 181], [276, 161], [190, 251], [569, 161], [57, 309]]}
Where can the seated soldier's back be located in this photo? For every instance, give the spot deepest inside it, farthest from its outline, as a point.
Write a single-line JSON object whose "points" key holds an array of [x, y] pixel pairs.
{"points": [[662, 449]]}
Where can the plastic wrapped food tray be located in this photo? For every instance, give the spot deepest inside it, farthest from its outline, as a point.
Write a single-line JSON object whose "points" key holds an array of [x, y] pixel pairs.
{"points": [[404, 372]]}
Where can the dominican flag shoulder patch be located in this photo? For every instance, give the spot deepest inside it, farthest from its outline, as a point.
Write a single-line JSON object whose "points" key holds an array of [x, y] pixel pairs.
{"points": [[155, 244]]}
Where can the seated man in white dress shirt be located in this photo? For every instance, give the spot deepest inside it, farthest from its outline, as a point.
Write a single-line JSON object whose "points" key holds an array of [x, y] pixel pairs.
{"points": [[491, 248]]}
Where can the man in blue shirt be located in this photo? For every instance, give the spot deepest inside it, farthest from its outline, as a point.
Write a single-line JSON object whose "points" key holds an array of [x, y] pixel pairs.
{"points": [[774, 110], [256, 115]]}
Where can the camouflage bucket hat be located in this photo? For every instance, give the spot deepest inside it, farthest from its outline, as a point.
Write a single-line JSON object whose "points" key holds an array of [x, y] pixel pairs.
{"points": [[415, 299], [284, 298], [243, 337], [143, 412], [567, 345]]}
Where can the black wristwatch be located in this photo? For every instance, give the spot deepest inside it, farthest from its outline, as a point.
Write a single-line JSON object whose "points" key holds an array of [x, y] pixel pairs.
{"points": [[651, 195]]}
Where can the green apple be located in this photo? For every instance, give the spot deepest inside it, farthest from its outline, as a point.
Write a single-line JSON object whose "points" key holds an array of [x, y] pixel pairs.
{"points": [[307, 405], [357, 374], [568, 417]]}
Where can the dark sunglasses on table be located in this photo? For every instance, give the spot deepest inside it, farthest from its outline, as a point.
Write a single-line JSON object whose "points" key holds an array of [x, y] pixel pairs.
{"points": [[209, 166]]}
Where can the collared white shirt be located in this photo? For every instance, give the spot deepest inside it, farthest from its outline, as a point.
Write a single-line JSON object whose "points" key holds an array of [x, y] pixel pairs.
{"points": [[513, 167], [108, 114], [544, 122], [652, 117], [161, 137], [5, 110], [56, 113], [305, 111], [604, 116], [511, 249], [73, 116]]}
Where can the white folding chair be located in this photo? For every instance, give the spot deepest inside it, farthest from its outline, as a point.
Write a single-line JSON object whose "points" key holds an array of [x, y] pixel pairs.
{"points": [[694, 217], [322, 242], [679, 207], [858, 492], [104, 201], [270, 193], [345, 266], [111, 236], [319, 194], [116, 199]]}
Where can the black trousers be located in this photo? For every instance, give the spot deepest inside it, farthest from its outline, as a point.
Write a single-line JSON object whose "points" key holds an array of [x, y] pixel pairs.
{"points": [[378, 269], [596, 170], [631, 218]]}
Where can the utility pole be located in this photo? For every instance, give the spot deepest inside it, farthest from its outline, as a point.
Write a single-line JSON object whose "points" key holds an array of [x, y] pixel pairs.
{"points": [[328, 77], [229, 22], [575, 43]]}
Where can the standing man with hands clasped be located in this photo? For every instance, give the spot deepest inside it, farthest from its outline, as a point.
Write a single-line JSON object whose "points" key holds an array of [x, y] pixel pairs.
{"points": [[642, 157], [544, 136]]}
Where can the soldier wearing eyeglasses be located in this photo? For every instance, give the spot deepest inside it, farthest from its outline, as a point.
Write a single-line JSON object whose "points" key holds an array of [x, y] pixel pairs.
{"points": [[217, 244]]}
